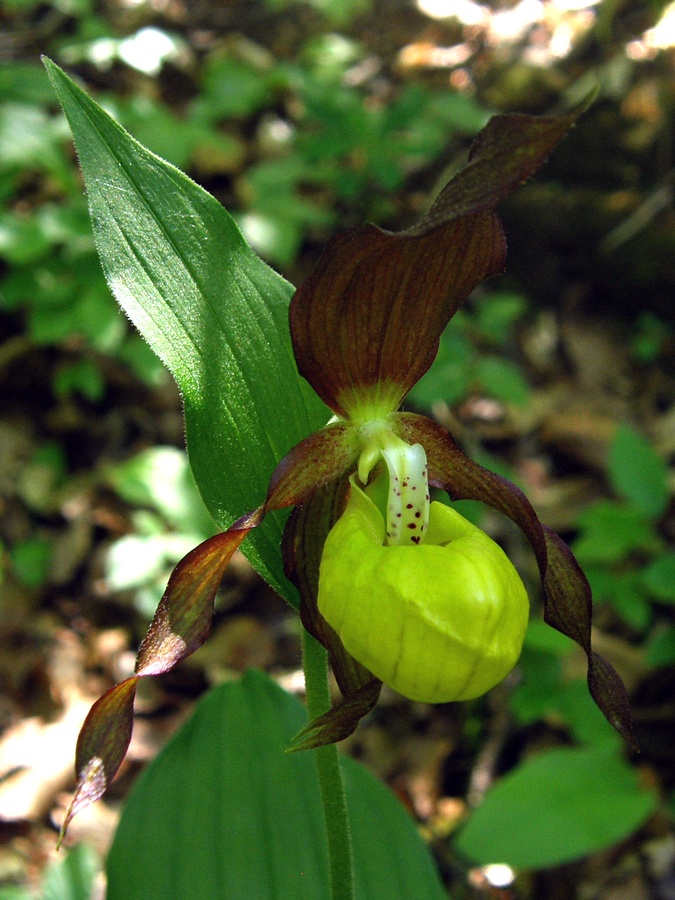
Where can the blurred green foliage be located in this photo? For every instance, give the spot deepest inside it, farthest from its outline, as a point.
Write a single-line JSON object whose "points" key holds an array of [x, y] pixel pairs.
{"points": [[52, 279], [558, 806], [620, 546], [323, 138], [631, 570], [473, 355], [170, 520], [72, 877]]}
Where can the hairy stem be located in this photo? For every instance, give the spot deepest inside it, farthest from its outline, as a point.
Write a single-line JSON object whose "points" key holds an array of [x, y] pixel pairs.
{"points": [[336, 817]]}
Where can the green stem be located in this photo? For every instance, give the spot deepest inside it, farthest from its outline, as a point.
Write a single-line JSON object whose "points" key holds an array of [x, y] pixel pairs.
{"points": [[331, 784]]}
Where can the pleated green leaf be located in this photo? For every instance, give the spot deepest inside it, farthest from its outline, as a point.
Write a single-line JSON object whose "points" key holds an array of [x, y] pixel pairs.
{"points": [[224, 811], [214, 313], [556, 807]]}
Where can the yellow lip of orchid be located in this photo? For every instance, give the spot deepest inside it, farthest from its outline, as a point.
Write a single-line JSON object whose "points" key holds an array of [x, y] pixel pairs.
{"points": [[438, 622]]}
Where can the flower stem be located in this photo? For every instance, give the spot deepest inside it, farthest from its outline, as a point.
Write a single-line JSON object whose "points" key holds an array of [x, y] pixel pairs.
{"points": [[331, 784]]}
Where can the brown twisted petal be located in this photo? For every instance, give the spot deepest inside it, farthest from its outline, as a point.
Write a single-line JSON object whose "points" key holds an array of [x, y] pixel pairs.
{"points": [[567, 594], [183, 618]]}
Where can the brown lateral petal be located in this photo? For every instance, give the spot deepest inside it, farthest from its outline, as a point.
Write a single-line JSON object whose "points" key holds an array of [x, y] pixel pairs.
{"points": [[340, 721], [366, 323], [567, 592], [567, 595], [504, 154], [180, 625], [183, 618], [101, 746], [315, 461]]}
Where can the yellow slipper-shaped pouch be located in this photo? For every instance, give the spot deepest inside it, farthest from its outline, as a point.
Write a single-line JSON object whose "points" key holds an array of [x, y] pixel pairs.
{"points": [[439, 621]]}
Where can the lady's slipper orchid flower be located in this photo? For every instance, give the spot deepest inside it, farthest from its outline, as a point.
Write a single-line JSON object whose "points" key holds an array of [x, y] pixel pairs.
{"points": [[438, 620], [396, 588]]}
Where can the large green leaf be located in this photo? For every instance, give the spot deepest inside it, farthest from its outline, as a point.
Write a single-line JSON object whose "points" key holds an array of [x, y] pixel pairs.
{"points": [[209, 307], [558, 806], [224, 811]]}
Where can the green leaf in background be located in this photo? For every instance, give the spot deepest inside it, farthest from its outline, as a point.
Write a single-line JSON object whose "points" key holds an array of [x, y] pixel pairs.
{"points": [[160, 478], [630, 602], [585, 721], [211, 310], [449, 376], [233, 88], [30, 137], [25, 82], [661, 648], [659, 578], [224, 811], [31, 559], [71, 878], [547, 692], [541, 638], [535, 696], [496, 314], [40, 479], [22, 240], [83, 377], [460, 111], [637, 472], [558, 806], [609, 531], [502, 379]]}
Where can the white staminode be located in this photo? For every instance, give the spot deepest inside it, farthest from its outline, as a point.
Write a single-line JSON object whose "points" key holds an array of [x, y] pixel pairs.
{"points": [[408, 503], [408, 500]]}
